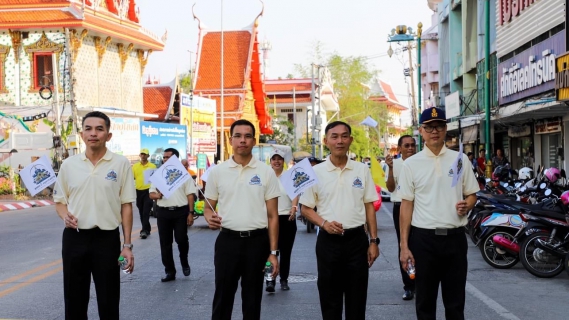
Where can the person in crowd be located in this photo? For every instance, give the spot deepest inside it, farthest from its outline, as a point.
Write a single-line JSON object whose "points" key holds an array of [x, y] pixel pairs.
{"points": [[407, 147], [344, 253], [433, 215], [247, 191], [174, 215], [143, 201], [481, 162], [499, 159], [94, 195]]}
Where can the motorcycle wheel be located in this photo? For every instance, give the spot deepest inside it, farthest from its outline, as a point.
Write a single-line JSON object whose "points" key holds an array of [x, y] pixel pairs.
{"points": [[566, 263], [533, 258], [496, 257]]}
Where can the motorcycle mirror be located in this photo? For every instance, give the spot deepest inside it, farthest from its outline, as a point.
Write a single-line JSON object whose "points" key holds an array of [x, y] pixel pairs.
{"points": [[518, 184], [506, 185], [542, 185], [547, 192]]}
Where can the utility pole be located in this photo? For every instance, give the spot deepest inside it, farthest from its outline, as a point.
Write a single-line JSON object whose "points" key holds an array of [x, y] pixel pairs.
{"points": [[74, 118], [487, 84], [414, 110], [312, 141], [294, 117], [319, 111], [222, 146], [419, 33]]}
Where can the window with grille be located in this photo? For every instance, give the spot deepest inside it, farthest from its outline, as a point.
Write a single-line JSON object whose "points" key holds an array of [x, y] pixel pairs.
{"points": [[43, 69]]}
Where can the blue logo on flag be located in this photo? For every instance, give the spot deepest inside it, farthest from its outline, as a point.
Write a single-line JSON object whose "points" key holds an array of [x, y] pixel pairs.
{"points": [[299, 178], [40, 174], [172, 175]]}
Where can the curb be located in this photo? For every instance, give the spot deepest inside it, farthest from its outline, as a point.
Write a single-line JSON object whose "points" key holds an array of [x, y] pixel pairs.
{"points": [[25, 205]]}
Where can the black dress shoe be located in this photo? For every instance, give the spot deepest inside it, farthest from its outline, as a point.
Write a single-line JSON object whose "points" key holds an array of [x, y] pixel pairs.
{"points": [[270, 286], [143, 235], [284, 286], [408, 295], [187, 271], [169, 277]]}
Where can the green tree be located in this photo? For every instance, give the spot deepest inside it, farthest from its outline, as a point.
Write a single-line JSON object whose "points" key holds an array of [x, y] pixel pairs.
{"points": [[185, 82], [283, 131]]}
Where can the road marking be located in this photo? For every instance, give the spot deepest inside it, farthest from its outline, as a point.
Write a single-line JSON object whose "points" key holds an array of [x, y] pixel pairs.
{"points": [[43, 275], [32, 280], [491, 303], [27, 273], [11, 207]]}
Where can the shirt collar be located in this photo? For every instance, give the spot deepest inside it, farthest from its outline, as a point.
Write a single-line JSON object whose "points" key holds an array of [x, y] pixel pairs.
{"points": [[429, 153], [331, 167], [107, 157], [251, 164]]}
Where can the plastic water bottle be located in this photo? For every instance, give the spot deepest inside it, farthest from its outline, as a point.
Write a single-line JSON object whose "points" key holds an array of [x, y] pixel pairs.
{"points": [[410, 269], [123, 263], [268, 271]]}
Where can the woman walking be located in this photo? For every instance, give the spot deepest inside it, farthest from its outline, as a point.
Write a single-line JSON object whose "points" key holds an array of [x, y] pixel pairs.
{"points": [[287, 224]]}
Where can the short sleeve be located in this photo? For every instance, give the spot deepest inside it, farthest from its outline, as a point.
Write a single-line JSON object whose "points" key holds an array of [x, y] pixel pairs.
{"points": [[370, 193], [152, 188], [211, 189], [61, 190], [469, 183], [128, 190], [273, 189], [190, 187], [309, 197], [406, 187]]}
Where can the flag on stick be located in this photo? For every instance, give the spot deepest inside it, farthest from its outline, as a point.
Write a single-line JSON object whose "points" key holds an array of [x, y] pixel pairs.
{"points": [[378, 174]]}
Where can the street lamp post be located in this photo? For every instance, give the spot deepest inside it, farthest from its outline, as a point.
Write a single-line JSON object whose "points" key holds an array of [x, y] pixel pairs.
{"points": [[403, 33]]}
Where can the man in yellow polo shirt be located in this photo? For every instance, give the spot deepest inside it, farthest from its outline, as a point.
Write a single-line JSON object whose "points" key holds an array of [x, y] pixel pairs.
{"points": [[344, 196], [143, 201], [247, 191], [432, 219], [94, 195]]}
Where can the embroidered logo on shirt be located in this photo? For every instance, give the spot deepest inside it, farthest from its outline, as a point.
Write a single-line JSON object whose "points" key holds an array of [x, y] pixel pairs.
{"points": [[111, 175], [255, 181], [358, 183], [172, 175], [299, 178]]}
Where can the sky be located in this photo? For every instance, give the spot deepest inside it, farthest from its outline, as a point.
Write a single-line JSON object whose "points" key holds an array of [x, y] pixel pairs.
{"points": [[348, 28]]}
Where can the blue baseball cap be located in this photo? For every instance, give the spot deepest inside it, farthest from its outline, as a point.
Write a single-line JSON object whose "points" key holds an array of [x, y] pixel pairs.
{"points": [[432, 114]]}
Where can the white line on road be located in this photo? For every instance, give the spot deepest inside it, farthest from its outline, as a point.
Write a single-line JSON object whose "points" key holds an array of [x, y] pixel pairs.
{"points": [[491, 303]]}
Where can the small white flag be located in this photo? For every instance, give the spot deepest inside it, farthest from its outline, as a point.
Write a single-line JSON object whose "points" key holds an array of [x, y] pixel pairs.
{"points": [[206, 173], [38, 175], [170, 176], [298, 178], [147, 174], [457, 166], [369, 122]]}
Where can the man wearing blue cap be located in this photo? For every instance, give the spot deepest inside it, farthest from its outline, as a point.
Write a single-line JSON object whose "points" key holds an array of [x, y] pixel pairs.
{"points": [[432, 219]]}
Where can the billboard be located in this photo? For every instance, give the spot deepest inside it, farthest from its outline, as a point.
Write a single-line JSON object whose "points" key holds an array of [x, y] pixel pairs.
{"points": [[202, 134], [126, 136], [530, 72], [158, 136]]}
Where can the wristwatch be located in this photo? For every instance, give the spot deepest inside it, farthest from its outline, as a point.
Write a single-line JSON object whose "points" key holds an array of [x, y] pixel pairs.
{"points": [[128, 245], [192, 212], [275, 252], [376, 241]]}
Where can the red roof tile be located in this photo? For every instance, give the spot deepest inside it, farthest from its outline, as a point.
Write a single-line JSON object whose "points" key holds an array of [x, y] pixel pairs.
{"points": [[43, 17], [157, 100], [230, 103], [287, 85], [388, 91], [288, 99], [236, 54]]}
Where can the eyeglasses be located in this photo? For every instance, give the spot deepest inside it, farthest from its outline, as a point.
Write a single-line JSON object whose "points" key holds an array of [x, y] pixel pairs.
{"points": [[239, 136], [438, 127], [409, 145]]}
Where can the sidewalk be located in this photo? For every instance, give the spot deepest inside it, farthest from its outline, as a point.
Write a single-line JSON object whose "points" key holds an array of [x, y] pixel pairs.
{"points": [[18, 205]]}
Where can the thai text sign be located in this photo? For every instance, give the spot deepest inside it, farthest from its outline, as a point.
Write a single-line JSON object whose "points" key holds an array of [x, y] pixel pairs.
{"points": [[157, 136], [562, 77], [201, 114], [531, 72]]}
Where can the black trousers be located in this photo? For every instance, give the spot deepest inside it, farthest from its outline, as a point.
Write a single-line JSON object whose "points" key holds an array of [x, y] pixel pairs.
{"points": [[287, 233], [239, 258], [408, 284], [439, 260], [173, 225], [85, 253], [342, 273], [144, 205]]}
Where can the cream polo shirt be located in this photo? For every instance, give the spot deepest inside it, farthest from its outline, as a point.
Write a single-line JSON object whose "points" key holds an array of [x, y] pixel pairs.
{"points": [[180, 197], [341, 195], [241, 192], [426, 180], [397, 165], [284, 201], [95, 193]]}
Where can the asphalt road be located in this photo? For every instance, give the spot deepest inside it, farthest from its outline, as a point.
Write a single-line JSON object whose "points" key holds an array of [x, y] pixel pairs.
{"points": [[31, 279]]}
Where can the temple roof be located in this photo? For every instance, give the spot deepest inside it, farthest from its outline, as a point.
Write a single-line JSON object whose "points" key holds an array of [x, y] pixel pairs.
{"points": [[105, 19], [382, 91], [242, 68], [285, 86], [158, 99]]}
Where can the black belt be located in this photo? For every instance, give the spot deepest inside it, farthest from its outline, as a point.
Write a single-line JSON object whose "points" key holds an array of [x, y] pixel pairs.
{"points": [[438, 231], [395, 203], [173, 208], [347, 232], [245, 234]]}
